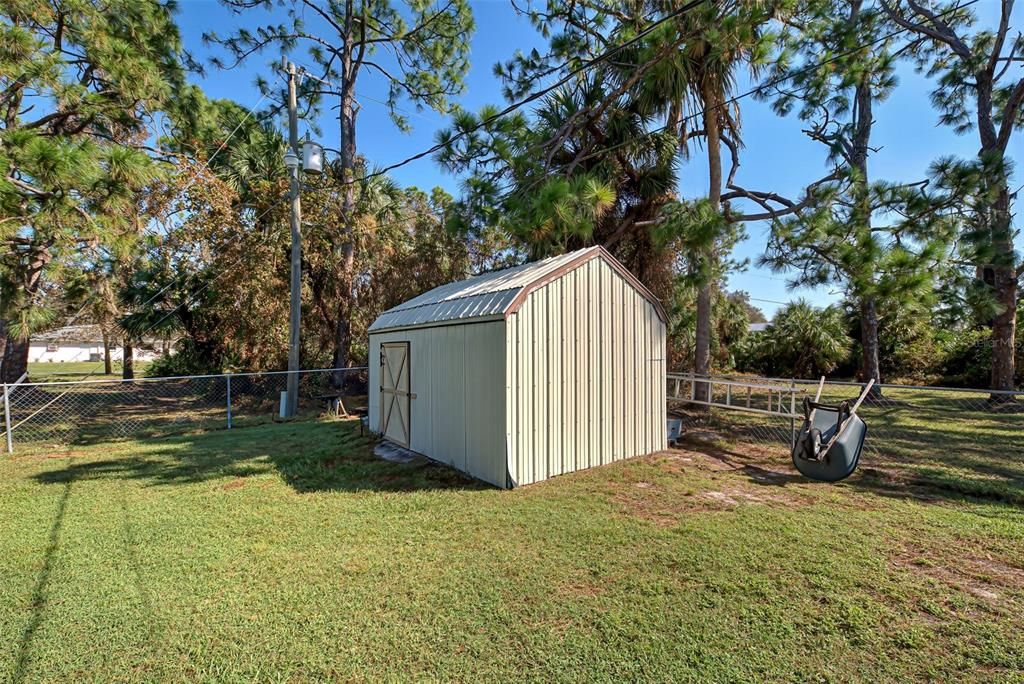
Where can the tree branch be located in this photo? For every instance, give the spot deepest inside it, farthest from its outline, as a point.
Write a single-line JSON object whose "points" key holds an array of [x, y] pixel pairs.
{"points": [[763, 199], [938, 31], [1010, 113]]}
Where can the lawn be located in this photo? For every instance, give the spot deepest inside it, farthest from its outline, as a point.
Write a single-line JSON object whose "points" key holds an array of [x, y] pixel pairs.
{"points": [[287, 552], [69, 371]]}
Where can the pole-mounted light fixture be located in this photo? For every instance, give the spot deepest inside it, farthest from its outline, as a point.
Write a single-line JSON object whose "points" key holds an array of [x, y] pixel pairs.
{"points": [[291, 160]]}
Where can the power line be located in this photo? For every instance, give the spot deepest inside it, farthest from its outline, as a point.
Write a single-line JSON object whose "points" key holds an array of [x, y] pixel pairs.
{"points": [[774, 82], [611, 52], [769, 301], [540, 93], [540, 76], [209, 161], [593, 62]]}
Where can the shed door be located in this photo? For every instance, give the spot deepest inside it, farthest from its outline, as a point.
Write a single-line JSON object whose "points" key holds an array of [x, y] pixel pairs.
{"points": [[394, 392]]}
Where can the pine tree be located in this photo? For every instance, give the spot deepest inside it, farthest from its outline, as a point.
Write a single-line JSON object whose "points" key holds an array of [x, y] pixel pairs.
{"points": [[980, 87], [420, 51], [844, 238], [79, 84]]}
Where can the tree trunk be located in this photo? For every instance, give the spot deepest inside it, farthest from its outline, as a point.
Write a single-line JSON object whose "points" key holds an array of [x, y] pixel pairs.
{"points": [[128, 361], [108, 366], [1004, 283], [702, 349], [15, 359], [342, 344], [869, 365], [1000, 274], [346, 300], [861, 217]]}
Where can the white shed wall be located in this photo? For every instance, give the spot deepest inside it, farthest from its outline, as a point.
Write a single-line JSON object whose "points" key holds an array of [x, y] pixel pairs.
{"points": [[69, 352], [585, 367], [65, 353], [457, 373]]}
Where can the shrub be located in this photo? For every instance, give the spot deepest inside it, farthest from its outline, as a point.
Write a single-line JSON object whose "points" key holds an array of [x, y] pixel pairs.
{"points": [[965, 358], [802, 342], [184, 360]]}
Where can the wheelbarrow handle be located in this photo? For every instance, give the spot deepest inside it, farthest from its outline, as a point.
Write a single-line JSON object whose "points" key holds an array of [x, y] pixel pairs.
{"points": [[863, 396]]}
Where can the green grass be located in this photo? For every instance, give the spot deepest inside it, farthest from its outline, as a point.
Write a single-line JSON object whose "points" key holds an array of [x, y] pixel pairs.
{"points": [[951, 441], [77, 370], [287, 552]]}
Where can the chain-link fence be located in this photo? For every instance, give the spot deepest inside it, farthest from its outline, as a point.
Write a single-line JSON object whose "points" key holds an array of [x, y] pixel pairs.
{"points": [[95, 410], [913, 432]]}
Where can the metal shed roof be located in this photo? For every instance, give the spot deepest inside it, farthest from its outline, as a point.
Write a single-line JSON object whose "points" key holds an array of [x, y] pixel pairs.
{"points": [[496, 294]]}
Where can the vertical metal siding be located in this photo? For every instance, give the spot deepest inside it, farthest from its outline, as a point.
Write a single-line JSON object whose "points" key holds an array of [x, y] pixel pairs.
{"points": [[603, 368], [447, 372], [511, 404], [553, 362], [485, 402], [585, 384], [458, 376], [373, 382], [421, 357], [594, 347], [629, 378]]}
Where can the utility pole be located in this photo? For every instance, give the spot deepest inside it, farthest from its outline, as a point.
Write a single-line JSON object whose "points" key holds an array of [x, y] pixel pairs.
{"points": [[294, 319]]}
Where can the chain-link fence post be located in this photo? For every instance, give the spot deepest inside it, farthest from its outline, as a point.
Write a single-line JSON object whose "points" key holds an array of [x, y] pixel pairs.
{"points": [[228, 379], [7, 420]]}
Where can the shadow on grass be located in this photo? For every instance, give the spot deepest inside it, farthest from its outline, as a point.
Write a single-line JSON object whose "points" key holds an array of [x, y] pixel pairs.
{"points": [[320, 456], [949, 454], [756, 467], [934, 484], [40, 591], [952, 476]]}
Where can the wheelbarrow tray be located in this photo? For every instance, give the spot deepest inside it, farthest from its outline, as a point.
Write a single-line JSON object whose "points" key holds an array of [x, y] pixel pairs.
{"points": [[841, 459]]}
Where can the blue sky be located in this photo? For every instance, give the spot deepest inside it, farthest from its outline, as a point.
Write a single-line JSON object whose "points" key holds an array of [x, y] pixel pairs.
{"points": [[777, 155]]}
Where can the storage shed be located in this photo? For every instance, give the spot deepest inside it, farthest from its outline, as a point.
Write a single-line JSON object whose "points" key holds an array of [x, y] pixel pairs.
{"points": [[522, 374]]}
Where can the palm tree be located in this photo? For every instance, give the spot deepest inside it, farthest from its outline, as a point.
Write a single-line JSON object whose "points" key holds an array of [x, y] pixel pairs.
{"points": [[696, 83], [250, 164], [557, 187], [808, 342]]}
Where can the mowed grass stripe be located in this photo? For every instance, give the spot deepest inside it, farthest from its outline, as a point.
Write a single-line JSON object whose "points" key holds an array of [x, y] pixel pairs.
{"points": [[287, 552]]}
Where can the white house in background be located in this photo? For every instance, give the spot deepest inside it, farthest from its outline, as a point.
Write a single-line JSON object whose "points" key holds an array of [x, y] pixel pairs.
{"points": [[85, 343], [757, 327], [523, 374]]}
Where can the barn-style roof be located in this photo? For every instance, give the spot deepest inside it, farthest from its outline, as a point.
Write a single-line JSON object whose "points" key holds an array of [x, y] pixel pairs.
{"points": [[496, 294]]}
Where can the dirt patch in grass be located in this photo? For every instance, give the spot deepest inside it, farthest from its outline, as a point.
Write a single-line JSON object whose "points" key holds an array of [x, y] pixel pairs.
{"points": [[53, 452], [237, 483], [686, 481], [582, 588], [974, 571]]}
